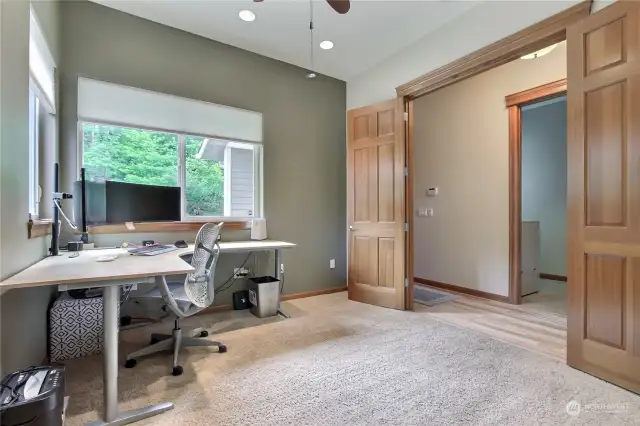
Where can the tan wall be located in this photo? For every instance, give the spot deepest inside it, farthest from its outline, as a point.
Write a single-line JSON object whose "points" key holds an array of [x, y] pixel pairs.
{"points": [[461, 147]]}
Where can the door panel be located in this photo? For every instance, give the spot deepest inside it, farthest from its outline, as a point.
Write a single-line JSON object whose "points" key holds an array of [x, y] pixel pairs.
{"points": [[376, 206], [605, 142], [603, 94], [361, 189], [386, 183], [386, 251], [361, 259], [604, 299], [604, 46]]}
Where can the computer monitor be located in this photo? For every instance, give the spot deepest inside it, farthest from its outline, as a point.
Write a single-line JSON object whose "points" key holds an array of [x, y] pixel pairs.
{"points": [[112, 202]]}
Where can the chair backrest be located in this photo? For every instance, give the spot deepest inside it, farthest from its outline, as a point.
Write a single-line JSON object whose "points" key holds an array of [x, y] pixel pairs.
{"points": [[199, 285]]}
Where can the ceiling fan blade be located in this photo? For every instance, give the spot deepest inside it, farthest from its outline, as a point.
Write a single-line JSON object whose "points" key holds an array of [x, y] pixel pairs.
{"points": [[340, 6]]}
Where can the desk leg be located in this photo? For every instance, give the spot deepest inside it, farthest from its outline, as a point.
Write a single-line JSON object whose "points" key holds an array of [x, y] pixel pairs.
{"points": [[111, 300], [278, 275]]}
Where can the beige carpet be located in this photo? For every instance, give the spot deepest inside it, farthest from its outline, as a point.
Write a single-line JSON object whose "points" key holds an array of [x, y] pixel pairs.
{"points": [[339, 362]]}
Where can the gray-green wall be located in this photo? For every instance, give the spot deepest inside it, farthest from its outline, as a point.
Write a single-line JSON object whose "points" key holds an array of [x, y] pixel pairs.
{"points": [[23, 313], [304, 126]]}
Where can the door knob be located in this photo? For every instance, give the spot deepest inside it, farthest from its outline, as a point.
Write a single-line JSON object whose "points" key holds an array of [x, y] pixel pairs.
{"points": [[351, 228]]}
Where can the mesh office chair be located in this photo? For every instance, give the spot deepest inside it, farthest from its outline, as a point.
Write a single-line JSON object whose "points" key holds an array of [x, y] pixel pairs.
{"points": [[186, 298]]}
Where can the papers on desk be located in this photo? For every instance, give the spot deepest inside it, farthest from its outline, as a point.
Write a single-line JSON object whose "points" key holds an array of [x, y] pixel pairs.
{"points": [[152, 250]]}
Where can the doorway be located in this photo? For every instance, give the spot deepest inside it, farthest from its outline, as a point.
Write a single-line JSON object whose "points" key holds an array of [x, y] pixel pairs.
{"points": [[543, 223], [537, 197]]}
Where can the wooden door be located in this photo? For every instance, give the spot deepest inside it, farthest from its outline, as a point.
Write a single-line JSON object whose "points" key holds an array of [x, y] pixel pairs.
{"points": [[604, 195], [375, 205]]}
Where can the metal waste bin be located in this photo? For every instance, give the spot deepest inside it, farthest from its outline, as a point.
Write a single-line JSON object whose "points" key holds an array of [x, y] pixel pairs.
{"points": [[264, 296]]}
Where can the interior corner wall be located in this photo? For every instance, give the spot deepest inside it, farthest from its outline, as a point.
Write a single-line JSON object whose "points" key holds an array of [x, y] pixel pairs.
{"points": [[23, 313], [304, 128], [461, 137], [544, 181], [482, 25]]}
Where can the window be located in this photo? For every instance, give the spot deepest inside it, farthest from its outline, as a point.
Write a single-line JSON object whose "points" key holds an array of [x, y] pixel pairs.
{"points": [[204, 179], [130, 155], [42, 110], [219, 178], [213, 152]]}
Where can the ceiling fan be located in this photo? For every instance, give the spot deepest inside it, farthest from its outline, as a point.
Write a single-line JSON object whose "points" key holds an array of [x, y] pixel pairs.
{"points": [[340, 6]]}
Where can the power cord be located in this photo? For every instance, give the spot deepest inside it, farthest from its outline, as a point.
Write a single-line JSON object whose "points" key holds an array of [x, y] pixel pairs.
{"points": [[125, 297], [232, 279], [71, 224]]}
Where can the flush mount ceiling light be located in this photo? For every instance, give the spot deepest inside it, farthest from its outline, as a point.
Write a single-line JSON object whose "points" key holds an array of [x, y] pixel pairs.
{"points": [[326, 45], [540, 52], [247, 15]]}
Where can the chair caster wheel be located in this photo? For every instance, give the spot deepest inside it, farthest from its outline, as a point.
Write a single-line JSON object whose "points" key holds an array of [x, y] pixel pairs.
{"points": [[204, 333], [222, 349], [177, 370], [130, 363]]}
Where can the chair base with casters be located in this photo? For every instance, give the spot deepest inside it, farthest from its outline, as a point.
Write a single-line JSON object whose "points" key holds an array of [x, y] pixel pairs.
{"points": [[173, 342], [183, 299]]}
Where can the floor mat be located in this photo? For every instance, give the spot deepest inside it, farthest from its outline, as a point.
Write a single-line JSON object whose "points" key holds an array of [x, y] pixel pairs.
{"points": [[430, 297]]}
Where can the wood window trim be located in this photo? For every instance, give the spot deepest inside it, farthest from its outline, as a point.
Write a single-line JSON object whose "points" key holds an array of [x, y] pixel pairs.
{"points": [[535, 37], [544, 33], [185, 226], [38, 228], [515, 103]]}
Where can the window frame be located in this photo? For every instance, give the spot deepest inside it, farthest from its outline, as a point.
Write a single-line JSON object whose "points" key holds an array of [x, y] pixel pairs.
{"points": [[258, 175], [34, 155]]}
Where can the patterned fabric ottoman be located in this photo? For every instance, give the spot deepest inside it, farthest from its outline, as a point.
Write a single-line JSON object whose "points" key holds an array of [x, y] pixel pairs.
{"points": [[75, 328]]}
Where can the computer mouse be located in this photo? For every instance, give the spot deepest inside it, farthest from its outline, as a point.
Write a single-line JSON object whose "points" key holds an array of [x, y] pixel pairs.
{"points": [[181, 244], [107, 258]]}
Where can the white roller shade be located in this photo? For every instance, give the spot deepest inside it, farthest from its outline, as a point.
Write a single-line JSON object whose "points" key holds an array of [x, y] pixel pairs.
{"points": [[99, 101], [41, 66]]}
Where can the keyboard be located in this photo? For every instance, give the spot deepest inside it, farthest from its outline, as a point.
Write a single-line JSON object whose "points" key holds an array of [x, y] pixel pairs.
{"points": [[152, 250]]}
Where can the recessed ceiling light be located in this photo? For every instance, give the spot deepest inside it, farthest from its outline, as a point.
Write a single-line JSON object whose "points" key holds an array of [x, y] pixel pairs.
{"points": [[326, 45], [247, 15]]}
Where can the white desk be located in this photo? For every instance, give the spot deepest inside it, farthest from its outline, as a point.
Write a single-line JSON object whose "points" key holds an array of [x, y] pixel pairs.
{"points": [[83, 271]]}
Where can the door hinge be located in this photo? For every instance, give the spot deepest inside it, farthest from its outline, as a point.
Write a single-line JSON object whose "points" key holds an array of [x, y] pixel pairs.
{"points": [[406, 171], [406, 283], [406, 116], [406, 227]]}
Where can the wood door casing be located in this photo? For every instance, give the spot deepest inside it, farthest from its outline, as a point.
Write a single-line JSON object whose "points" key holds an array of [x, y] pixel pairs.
{"points": [[604, 194], [375, 206]]}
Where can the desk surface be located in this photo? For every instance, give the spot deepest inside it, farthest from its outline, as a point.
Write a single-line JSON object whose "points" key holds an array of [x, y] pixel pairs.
{"points": [[84, 268]]}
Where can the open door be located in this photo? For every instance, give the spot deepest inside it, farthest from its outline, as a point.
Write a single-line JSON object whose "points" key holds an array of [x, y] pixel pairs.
{"points": [[375, 205], [604, 194]]}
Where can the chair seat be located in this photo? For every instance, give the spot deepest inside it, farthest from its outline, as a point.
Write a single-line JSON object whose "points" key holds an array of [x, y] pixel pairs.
{"points": [[178, 293]]}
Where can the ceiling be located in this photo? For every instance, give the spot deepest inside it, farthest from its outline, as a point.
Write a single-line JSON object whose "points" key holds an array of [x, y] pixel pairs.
{"points": [[372, 31]]}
